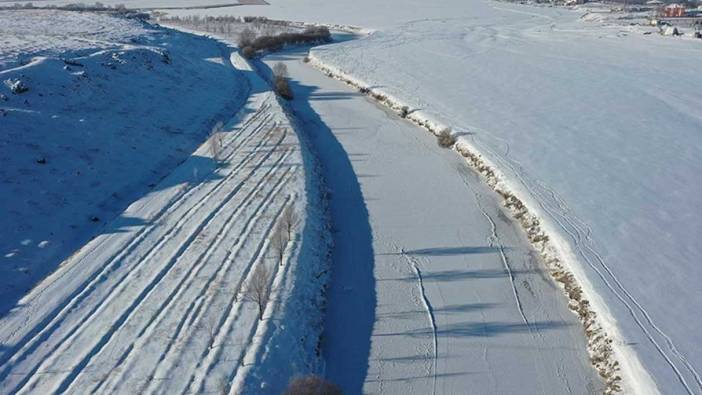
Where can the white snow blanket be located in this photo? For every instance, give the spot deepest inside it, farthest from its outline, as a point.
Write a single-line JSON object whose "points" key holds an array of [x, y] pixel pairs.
{"points": [[108, 146], [597, 126]]}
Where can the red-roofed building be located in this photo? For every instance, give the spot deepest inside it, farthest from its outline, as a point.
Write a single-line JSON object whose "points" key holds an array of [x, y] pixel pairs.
{"points": [[673, 10]]}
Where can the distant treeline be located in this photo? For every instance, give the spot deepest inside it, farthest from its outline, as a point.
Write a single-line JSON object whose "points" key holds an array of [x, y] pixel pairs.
{"points": [[311, 35], [254, 34], [120, 9]]}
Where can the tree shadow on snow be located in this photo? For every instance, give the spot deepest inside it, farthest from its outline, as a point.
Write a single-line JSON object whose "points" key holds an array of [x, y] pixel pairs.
{"points": [[481, 329], [351, 299]]}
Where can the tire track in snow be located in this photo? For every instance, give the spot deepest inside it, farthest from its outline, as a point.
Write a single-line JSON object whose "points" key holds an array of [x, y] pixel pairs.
{"points": [[251, 347], [194, 314], [144, 295], [185, 283], [151, 251], [208, 357], [584, 245], [88, 286], [494, 241]]}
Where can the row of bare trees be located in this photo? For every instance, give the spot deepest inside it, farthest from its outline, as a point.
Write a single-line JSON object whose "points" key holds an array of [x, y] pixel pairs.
{"points": [[258, 288], [280, 81], [252, 43]]}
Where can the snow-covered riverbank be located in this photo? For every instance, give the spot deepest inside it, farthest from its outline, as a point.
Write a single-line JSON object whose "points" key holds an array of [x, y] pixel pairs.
{"points": [[161, 299], [434, 288]]}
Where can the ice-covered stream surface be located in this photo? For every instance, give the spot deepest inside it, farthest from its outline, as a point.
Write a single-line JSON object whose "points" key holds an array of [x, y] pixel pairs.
{"points": [[598, 127], [433, 289]]}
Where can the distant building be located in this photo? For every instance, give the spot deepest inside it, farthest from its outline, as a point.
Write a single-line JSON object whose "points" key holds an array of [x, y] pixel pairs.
{"points": [[674, 11]]}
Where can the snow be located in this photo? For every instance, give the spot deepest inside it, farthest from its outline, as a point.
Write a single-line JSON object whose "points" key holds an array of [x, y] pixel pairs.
{"points": [[29, 33], [600, 137], [154, 301], [593, 124], [92, 135], [433, 288]]}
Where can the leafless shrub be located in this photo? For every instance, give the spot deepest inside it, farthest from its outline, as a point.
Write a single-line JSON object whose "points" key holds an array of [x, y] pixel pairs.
{"points": [[215, 142], [404, 111], [258, 288], [445, 139], [289, 221], [280, 70], [312, 35], [312, 385], [248, 52], [246, 37], [280, 81]]}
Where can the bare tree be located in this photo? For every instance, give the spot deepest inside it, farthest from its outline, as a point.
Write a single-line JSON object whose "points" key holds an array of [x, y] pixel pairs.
{"points": [[246, 38], [215, 142], [258, 288], [280, 81], [278, 243], [289, 221], [283, 233]]}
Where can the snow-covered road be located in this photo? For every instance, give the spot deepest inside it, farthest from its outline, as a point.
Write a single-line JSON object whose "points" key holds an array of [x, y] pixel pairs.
{"points": [[434, 289]]}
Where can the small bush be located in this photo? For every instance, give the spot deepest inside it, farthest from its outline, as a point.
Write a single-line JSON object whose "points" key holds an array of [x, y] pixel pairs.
{"points": [[215, 142], [280, 81], [246, 37], [445, 139], [248, 52], [404, 111], [312, 385]]}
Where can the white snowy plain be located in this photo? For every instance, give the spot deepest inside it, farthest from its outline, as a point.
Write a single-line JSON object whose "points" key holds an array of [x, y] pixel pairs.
{"points": [[595, 125], [434, 289]]}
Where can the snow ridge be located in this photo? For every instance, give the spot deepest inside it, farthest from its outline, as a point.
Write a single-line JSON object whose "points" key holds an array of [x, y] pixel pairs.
{"points": [[430, 312]]}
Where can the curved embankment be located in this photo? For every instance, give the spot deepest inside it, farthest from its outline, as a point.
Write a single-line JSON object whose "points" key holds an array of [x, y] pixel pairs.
{"points": [[162, 301], [610, 361]]}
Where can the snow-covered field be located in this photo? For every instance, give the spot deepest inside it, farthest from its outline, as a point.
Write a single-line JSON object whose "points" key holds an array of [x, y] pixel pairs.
{"points": [[595, 125], [160, 298], [92, 134], [433, 288], [596, 132]]}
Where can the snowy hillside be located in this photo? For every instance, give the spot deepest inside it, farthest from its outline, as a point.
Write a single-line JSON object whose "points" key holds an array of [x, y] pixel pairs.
{"points": [[207, 255], [104, 118], [28, 33]]}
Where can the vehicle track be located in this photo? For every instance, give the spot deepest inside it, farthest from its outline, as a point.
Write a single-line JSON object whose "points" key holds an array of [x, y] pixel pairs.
{"points": [[157, 247], [186, 282], [181, 242], [580, 234]]}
